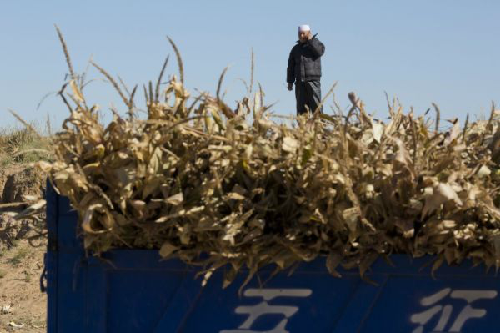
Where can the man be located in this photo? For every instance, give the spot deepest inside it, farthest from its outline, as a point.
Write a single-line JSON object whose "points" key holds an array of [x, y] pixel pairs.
{"points": [[304, 68]]}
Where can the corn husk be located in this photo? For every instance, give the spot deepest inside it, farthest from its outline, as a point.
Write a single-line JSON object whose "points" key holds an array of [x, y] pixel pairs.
{"points": [[218, 187]]}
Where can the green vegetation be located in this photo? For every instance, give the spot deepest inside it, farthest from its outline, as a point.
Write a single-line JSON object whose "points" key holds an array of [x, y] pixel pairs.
{"points": [[22, 146]]}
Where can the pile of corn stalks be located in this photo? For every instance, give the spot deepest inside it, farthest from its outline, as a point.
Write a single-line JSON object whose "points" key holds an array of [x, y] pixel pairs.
{"points": [[196, 178]]}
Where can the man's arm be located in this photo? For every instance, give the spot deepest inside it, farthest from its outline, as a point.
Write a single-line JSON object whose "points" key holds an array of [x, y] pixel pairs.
{"points": [[316, 47], [290, 73]]}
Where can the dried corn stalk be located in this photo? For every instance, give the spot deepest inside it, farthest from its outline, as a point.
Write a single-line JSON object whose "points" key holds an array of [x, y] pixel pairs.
{"points": [[197, 178]]}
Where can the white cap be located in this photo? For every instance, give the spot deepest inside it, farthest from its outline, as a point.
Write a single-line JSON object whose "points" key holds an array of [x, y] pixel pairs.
{"points": [[304, 28]]}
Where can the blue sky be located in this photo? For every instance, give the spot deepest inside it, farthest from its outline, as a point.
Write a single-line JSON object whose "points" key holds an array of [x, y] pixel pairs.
{"points": [[442, 51]]}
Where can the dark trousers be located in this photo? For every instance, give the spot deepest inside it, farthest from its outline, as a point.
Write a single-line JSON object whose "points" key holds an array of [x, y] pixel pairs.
{"points": [[308, 93]]}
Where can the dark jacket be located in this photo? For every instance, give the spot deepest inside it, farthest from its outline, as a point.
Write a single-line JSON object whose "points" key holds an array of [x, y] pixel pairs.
{"points": [[304, 61]]}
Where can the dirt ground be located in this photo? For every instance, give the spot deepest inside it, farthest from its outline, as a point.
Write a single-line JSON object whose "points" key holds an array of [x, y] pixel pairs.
{"points": [[23, 307], [17, 181]]}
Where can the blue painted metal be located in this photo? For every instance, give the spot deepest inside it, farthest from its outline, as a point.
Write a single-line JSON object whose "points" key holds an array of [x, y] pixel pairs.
{"points": [[135, 291]]}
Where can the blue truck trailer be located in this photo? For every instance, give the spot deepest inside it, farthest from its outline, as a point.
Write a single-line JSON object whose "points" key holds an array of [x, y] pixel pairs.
{"points": [[135, 291]]}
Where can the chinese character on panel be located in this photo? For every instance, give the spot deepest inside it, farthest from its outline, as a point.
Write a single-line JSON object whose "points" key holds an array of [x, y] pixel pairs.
{"points": [[253, 312], [438, 304]]}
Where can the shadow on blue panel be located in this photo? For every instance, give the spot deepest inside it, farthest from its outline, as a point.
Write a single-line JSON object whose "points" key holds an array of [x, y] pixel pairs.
{"points": [[139, 298]]}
